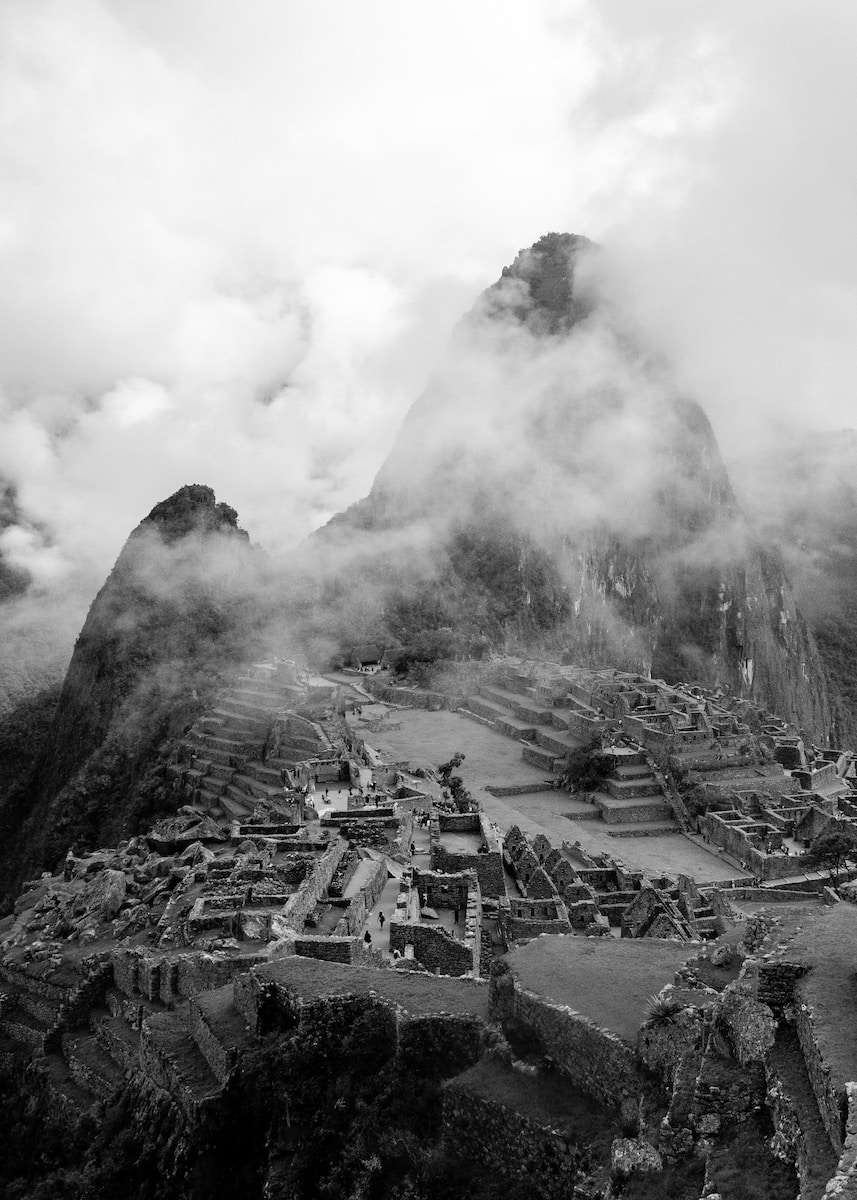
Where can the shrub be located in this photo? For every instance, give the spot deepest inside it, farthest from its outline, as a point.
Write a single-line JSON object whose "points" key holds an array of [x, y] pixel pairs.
{"points": [[662, 1010]]}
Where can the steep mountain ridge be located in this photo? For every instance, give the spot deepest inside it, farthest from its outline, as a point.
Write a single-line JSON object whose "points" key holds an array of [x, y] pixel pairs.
{"points": [[553, 489], [551, 492], [176, 612]]}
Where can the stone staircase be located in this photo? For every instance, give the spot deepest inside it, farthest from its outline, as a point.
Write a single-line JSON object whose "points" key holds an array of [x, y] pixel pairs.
{"points": [[541, 730], [632, 797], [632, 800]]}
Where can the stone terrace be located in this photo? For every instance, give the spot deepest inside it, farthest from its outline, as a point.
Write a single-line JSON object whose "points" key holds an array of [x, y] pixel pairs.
{"points": [[609, 981]]}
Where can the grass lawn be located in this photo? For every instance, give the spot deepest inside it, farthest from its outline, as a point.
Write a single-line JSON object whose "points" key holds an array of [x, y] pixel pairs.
{"points": [[312, 978], [435, 736], [491, 757], [827, 942], [608, 980]]}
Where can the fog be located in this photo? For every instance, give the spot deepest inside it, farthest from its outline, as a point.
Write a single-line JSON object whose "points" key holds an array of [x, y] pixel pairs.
{"points": [[234, 247]]}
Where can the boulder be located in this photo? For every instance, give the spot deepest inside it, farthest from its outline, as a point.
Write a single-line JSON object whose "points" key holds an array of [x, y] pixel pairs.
{"points": [[196, 853], [105, 893], [255, 925], [749, 1026], [721, 956], [631, 1155]]}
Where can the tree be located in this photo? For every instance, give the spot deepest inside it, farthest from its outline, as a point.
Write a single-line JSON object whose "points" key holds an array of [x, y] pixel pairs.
{"points": [[833, 849], [454, 783]]}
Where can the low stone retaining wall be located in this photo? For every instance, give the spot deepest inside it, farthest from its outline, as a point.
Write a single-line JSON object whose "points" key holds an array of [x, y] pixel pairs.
{"points": [[831, 1103], [594, 1059], [843, 1185], [517, 789], [411, 698], [774, 895], [332, 949], [653, 831], [459, 822], [626, 815], [504, 1140]]}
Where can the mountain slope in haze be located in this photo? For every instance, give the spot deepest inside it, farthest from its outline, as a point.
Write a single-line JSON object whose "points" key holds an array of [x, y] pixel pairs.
{"points": [[553, 491], [177, 611], [802, 493]]}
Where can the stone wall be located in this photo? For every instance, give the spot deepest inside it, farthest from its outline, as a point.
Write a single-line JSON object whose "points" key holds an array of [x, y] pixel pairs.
{"points": [[444, 891], [843, 1186], [516, 789], [298, 906], [732, 839], [170, 978], [459, 822], [354, 917], [411, 697], [831, 1102], [627, 814], [434, 947], [528, 918], [503, 1140], [772, 895], [594, 1059], [776, 982], [488, 866], [452, 1041], [332, 949]]}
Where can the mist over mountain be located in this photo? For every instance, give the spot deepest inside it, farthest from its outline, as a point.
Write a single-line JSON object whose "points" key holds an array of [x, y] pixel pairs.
{"points": [[552, 490], [176, 613], [802, 495]]}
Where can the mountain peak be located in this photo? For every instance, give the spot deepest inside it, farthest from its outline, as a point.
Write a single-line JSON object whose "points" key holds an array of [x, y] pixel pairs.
{"points": [[192, 509], [550, 286]]}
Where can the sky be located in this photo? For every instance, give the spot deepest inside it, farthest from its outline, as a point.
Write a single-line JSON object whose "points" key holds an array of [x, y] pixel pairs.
{"points": [[234, 239]]}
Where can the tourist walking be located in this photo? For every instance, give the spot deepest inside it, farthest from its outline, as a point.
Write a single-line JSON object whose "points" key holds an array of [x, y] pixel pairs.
{"points": [[381, 919]]}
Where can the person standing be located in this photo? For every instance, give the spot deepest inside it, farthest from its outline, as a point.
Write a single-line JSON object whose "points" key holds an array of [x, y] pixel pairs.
{"points": [[381, 919]]}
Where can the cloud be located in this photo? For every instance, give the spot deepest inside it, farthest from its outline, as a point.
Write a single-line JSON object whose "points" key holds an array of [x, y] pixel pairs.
{"points": [[233, 243], [747, 269]]}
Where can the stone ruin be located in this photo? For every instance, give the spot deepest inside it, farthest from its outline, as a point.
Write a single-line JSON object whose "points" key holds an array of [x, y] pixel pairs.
{"points": [[157, 966], [600, 896]]}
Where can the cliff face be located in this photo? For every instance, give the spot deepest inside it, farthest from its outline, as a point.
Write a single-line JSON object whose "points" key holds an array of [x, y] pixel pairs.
{"points": [[177, 610], [803, 493], [553, 489]]}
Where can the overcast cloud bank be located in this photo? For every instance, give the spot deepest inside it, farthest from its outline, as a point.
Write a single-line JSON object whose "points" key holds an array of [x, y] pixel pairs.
{"points": [[233, 244]]}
